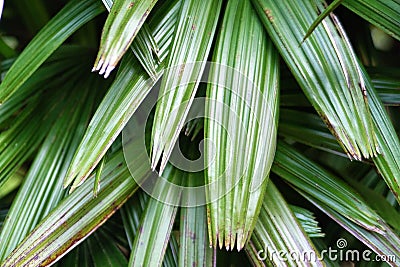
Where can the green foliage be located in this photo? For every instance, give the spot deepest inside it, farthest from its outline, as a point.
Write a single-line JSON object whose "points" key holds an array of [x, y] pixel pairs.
{"points": [[235, 119], [278, 150]]}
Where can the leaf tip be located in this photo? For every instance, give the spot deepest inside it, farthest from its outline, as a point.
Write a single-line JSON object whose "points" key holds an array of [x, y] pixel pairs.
{"points": [[67, 181], [72, 189], [103, 67]]}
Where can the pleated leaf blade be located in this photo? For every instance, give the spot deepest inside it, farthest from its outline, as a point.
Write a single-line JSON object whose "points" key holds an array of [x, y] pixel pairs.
{"points": [[277, 230], [192, 41], [388, 162], [194, 247], [326, 68], [41, 189], [155, 228], [128, 90], [240, 126], [300, 172], [122, 25], [78, 215], [385, 245]]}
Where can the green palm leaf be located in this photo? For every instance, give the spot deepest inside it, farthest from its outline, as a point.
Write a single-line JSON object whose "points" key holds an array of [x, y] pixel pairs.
{"points": [[20, 141], [278, 230], [353, 214], [78, 257], [14, 139], [307, 128], [36, 14], [384, 81], [386, 84], [64, 24], [42, 190], [317, 182], [171, 255], [311, 132], [385, 245], [57, 70], [146, 51], [94, 252], [143, 46], [378, 202], [307, 221], [194, 244], [334, 85], [61, 125], [78, 215], [105, 253], [156, 224], [322, 16], [192, 41], [382, 13], [130, 87], [89, 153], [388, 162], [131, 213], [122, 24], [246, 113]]}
